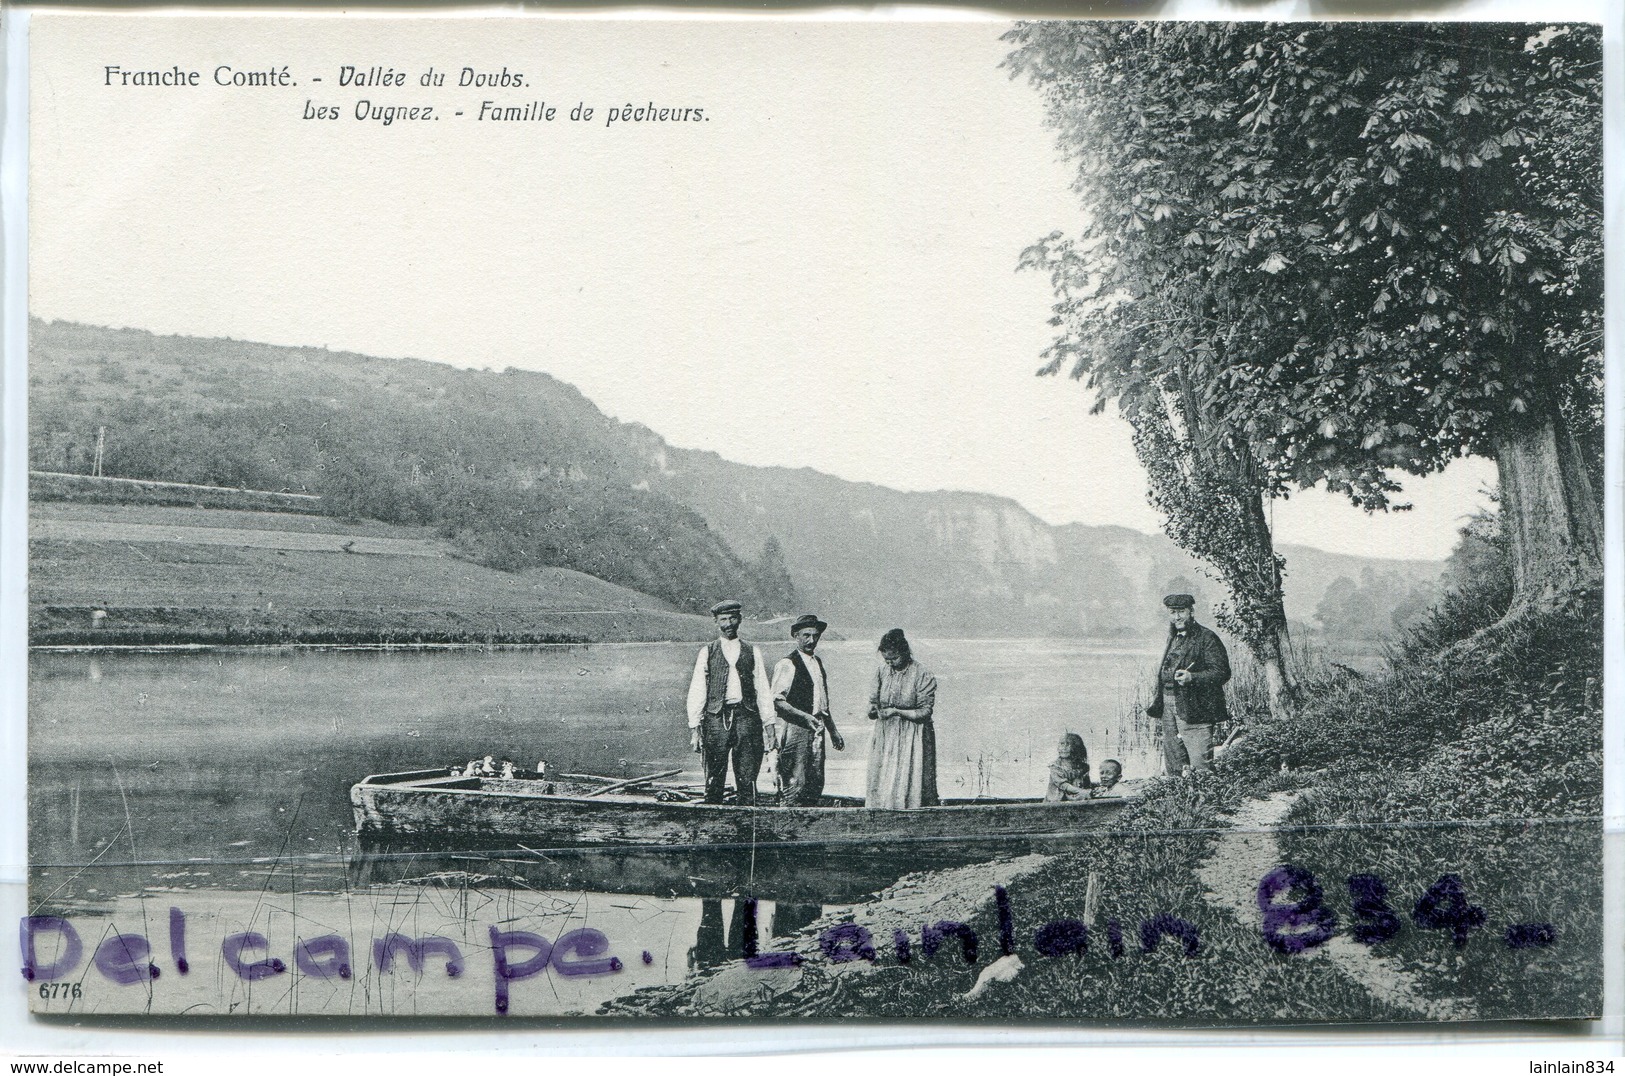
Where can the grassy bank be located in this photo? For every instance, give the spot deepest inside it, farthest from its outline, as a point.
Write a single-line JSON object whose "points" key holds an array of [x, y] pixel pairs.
{"points": [[1483, 765], [150, 575]]}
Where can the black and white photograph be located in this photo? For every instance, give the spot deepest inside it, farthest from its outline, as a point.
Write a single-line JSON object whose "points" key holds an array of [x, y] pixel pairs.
{"points": [[1082, 523]]}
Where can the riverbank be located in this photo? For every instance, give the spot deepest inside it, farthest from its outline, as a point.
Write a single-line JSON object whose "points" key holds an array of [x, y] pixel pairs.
{"points": [[1438, 856]]}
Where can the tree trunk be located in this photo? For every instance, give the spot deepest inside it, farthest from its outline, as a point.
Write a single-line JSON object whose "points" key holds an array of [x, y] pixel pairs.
{"points": [[1549, 515], [1216, 512], [1274, 646], [1272, 654]]}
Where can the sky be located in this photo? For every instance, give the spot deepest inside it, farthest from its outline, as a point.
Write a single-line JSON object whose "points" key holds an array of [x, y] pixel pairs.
{"points": [[820, 273]]}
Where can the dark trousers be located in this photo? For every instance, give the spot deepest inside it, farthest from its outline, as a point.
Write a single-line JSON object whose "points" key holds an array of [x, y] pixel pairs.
{"points": [[1184, 744], [735, 733], [801, 767]]}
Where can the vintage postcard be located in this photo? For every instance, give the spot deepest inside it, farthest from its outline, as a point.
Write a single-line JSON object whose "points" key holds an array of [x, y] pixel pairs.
{"points": [[1067, 521]]}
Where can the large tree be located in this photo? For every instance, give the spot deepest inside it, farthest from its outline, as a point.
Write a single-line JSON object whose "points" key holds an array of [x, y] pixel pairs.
{"points": [[1381, 241], [1207, 482], [1140, 318]]}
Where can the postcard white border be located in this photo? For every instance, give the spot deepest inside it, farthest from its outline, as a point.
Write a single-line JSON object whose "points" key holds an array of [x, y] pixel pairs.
{"points": [[415, 1047]]}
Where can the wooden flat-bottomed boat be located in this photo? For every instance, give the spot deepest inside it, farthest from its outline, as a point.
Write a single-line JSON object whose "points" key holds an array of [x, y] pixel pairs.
{"points": [[437, 808]]}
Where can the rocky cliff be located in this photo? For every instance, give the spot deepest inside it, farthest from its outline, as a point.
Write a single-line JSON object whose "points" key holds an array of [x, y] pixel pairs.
{"points": [[967, 563]]}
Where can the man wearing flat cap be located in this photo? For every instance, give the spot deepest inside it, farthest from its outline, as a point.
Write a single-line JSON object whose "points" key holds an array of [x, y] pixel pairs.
{"points": [[801, 698], [728, 698], [1190, 688]]}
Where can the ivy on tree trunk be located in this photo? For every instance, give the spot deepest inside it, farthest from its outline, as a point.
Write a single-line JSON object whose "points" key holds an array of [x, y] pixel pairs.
{"points": [[1213, 508]]}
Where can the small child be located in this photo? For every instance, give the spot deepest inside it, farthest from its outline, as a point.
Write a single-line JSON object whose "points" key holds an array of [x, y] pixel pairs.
{"points": [[1069, 773], [1111, 772]]}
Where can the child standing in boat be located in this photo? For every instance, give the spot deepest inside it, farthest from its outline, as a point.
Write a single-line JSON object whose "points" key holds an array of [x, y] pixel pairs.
{"points": [[1069, 773]]}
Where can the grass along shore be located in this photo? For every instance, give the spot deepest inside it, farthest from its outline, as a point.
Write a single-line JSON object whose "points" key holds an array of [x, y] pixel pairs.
{"points": [[1443, 822]]}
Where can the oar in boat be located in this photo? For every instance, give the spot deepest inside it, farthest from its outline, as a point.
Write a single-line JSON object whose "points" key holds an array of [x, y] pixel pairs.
{"points": [[630, 781]]}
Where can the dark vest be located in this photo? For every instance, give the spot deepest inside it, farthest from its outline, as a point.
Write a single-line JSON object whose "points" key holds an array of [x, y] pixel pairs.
{"points": [[716, 678], [800, 694]]}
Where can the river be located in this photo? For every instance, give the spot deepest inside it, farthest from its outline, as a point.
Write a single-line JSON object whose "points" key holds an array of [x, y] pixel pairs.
{"points": [[225, 773]]}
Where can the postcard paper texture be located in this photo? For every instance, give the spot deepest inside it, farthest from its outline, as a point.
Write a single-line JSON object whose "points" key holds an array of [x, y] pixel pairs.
{"points": [[1064, 521]]}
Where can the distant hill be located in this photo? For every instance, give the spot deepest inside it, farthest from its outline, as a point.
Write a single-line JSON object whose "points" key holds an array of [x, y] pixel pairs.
{"points": [[975, 564], [517, 470]]}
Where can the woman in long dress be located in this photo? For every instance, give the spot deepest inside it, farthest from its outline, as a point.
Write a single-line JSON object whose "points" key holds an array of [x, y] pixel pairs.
{"points": [[903, 752]]}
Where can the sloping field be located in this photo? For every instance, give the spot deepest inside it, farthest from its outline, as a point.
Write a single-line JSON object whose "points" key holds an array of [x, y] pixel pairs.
{"points": [[160, 575]]}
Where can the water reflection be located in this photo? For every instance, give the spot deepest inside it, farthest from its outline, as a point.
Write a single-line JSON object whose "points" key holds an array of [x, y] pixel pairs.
{"points": [[710, 942], [800, 875], [662, 915], [791, 919], [713, 945]]}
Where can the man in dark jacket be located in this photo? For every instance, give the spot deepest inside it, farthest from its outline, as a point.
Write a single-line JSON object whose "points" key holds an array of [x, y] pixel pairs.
{"points": [[1190, 688]]}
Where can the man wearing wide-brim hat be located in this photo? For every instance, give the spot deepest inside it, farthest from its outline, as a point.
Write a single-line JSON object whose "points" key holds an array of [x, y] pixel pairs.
{"points": [[801, 698], [728, 698], [1189, 697]]}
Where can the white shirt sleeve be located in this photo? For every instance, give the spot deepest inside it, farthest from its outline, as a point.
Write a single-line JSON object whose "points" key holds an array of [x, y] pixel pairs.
{"points": [[784, 674], [696, 690], [820, 699], [764, 691]]}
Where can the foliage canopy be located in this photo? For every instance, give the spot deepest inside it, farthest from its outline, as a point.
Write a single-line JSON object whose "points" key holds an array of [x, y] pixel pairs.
{"points": [[1377, 245]]}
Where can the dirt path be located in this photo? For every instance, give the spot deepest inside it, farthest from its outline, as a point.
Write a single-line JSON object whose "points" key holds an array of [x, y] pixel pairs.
{"points": [[86, 530], [1248, 851]]}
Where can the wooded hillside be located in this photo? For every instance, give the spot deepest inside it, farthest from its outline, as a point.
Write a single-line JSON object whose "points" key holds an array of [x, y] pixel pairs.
{"points": [[516, 470]]}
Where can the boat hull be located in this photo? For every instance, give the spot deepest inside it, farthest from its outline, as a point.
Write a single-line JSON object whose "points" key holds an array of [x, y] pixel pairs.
{"points": [[437, 811], [797, 874]]}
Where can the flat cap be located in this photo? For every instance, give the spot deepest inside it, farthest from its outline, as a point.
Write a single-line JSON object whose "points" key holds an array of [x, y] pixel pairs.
{"points": [[729, 606], [1179, 601]]}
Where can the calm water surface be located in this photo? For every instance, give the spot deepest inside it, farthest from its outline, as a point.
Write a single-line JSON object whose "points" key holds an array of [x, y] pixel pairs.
{"points": [[250, 754], [229, 771]]}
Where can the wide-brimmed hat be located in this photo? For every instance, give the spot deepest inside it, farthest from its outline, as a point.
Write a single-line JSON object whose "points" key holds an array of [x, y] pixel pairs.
{"points": [[729, 606], [1179, 601], [808, 620]]}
